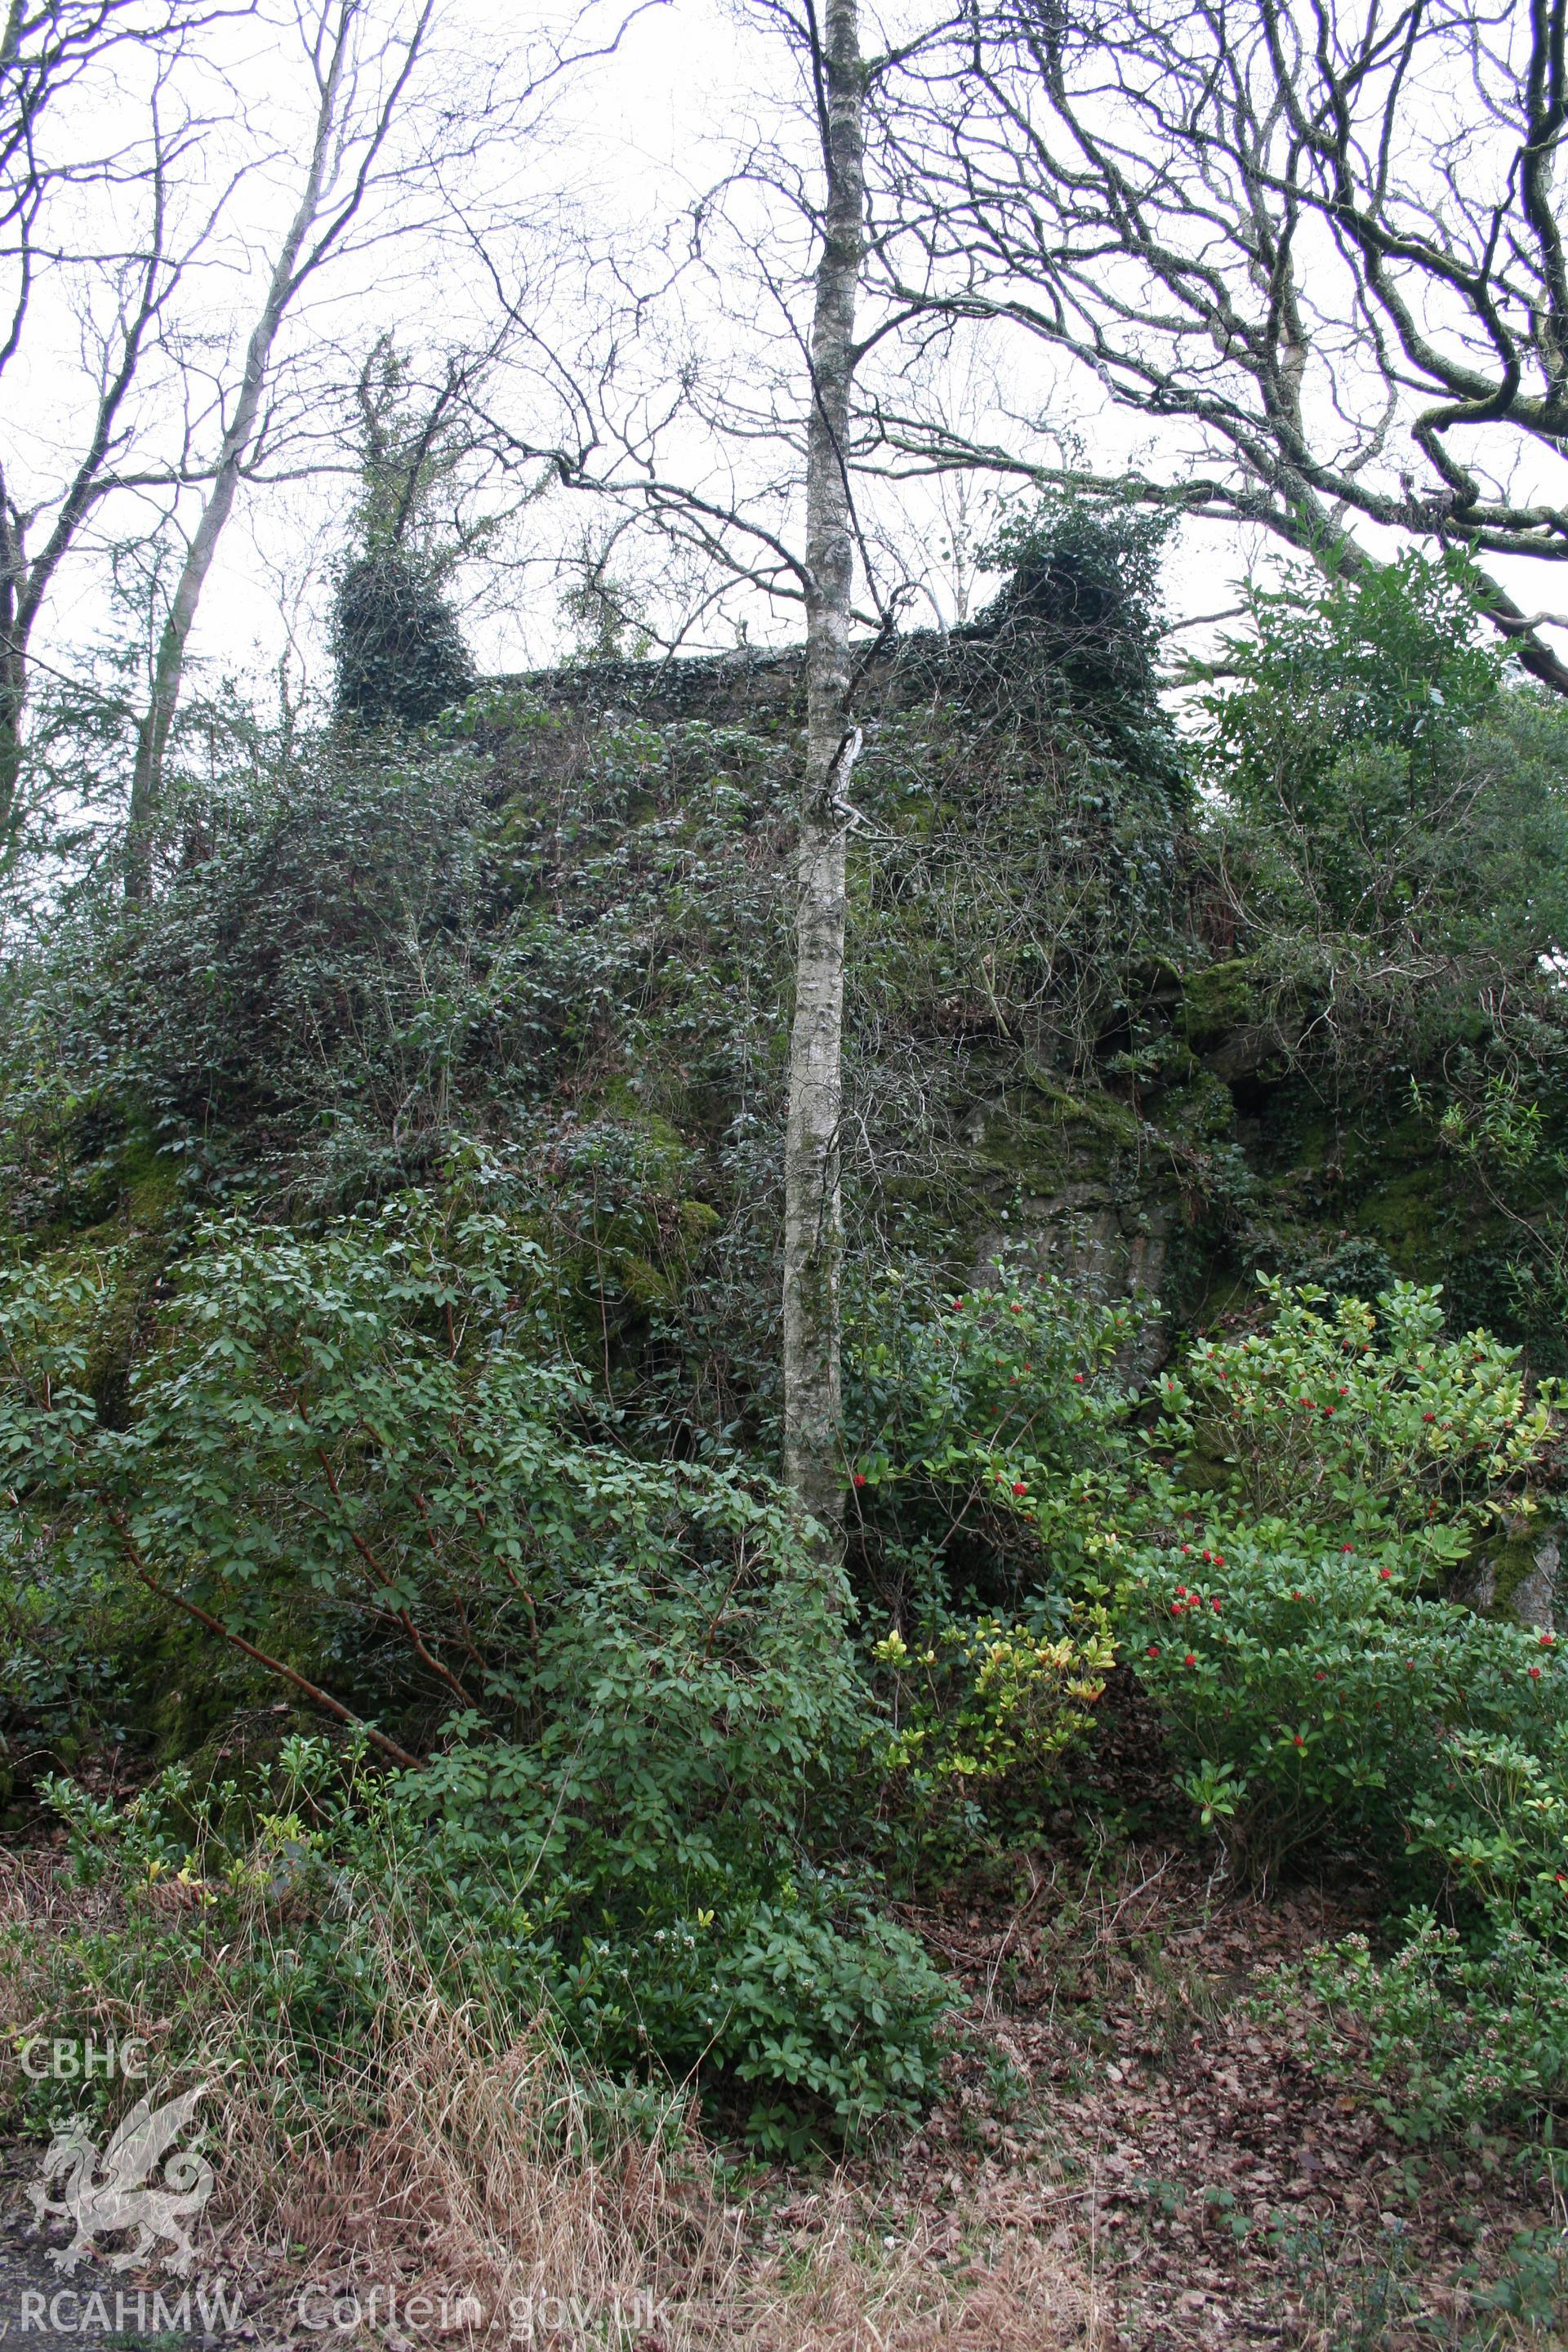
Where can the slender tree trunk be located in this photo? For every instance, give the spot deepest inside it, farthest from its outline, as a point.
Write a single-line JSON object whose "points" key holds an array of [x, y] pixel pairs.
{"points": [[169, 663], [814, 1225], [168, 669], [13, 675]]}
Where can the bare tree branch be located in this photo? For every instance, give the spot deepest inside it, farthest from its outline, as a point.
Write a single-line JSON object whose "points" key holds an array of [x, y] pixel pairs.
{"points": [[1312, 243]]}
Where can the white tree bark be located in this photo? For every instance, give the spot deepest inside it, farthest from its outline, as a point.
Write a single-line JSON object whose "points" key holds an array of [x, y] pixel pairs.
{"points": [[814, 1225]]}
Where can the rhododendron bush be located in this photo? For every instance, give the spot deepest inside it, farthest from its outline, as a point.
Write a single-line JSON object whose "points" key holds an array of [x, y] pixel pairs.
{"points": [[1363, 1419], [1292, 1613], [1276, 1545], [1292, 1618], [999, 1417], [1310, 1693]]}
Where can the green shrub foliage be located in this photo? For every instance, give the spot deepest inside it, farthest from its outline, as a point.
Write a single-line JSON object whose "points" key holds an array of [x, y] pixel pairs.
{"points": [[1318, 1687], [1295, 1632], [625, 1688]]}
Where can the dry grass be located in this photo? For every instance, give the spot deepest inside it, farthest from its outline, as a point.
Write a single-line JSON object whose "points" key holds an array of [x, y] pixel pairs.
{"points": [[1021, 2296], [460, 2158], [493, 2178]]}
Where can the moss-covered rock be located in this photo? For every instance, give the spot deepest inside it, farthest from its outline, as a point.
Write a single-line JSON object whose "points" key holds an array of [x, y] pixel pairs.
{"points": [[1518, 1578]]}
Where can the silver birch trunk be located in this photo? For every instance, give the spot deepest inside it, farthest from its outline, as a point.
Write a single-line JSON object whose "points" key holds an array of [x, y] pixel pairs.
{"points": [[813, 1224]]}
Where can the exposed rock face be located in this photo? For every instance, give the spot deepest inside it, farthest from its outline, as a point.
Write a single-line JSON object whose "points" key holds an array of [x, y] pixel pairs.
{"points": [[1082, 1202], [1111, 1246], [1535, 1595], [1522, 1579]]}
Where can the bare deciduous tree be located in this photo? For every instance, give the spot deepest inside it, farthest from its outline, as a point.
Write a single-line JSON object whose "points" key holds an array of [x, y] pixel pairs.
{"points": [[385, 141], [1314, 243], [361, 76], [69, 69]]}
